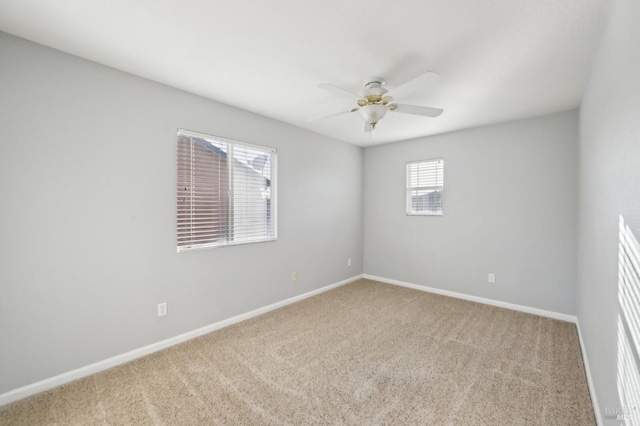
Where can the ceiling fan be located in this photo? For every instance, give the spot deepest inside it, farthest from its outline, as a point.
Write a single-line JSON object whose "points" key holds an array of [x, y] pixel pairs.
{"points": [[374, 103]]}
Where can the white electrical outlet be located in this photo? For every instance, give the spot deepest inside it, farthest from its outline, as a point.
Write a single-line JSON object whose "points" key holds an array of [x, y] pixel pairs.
{"points": [[162, 309], [349, 262], [294, 276], [492, 278]]}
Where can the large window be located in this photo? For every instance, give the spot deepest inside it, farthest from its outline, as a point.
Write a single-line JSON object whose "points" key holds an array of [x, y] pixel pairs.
{"points": [[425, 183], [226, 192]]}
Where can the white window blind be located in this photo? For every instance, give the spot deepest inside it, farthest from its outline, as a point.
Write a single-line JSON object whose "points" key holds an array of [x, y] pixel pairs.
{"points": [[425, 184], [226, 192]]}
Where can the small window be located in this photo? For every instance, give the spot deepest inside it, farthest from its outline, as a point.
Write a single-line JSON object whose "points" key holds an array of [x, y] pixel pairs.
{"points": [[425, 183], [226, 192]]}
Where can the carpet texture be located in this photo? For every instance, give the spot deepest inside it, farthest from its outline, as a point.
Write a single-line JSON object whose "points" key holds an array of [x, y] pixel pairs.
{"points": [[364, 353]]}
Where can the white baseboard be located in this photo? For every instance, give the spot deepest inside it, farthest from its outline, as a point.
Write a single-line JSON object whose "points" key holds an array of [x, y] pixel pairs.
{"points": [[498, 303], [592, 387], [529, 310], [43, 385]]}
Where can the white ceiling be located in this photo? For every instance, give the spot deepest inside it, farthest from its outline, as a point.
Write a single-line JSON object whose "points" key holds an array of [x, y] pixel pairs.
{"points": [[498, 59]]}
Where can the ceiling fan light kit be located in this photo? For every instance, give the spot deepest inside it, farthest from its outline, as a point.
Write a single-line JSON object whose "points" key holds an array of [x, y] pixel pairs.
{"points": [[373, 113], [373, 104]]}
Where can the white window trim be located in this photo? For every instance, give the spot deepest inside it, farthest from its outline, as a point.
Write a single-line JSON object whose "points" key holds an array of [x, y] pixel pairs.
{"points": [[273, 189], [408, 189]]}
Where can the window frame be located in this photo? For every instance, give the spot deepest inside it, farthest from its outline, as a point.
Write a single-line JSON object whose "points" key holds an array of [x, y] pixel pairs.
{"points": [[231, 144], [408, 188]]}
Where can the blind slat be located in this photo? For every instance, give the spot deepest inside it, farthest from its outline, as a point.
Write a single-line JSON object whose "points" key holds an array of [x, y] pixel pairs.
{"points": [[224, 192], [425, 185]]}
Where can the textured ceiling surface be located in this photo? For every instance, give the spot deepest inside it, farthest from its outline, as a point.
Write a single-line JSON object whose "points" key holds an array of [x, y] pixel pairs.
{"points": [[498, 60]]}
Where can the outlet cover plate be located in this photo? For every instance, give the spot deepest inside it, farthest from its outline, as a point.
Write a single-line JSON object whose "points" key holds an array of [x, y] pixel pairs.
{"points": [[162, 309]]}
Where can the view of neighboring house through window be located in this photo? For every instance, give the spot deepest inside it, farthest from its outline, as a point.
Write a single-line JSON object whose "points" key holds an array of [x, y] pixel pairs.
{"points": [[226, 192], [425, 184]]}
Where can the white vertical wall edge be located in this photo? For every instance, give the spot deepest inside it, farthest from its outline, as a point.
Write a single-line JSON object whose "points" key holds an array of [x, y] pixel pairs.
{"points": [[592, 387], [498, 303], [43, 385]]}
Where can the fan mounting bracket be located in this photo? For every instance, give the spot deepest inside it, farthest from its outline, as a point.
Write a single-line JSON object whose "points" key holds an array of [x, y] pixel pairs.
{"points": [[374, 82]]}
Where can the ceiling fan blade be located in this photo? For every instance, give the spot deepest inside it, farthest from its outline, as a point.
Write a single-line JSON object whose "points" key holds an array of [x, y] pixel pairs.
{"points": [[339, 91], [418, 110], [417, 84], [332, 115], [368, 128]]}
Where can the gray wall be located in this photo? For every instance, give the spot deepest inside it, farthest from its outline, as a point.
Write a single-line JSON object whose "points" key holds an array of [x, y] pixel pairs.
{"points": [[610, 189], [87, 224], [510, 202]]}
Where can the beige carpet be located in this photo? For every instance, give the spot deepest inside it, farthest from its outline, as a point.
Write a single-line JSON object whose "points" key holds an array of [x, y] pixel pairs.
{"points": [[364, 353]]}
